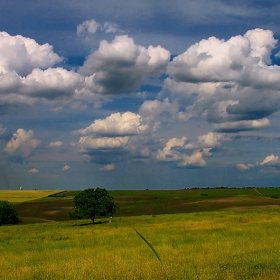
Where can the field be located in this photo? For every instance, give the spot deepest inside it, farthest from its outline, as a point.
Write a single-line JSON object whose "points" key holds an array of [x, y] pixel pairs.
{"points": [[20, 196], [187, 234], [56, 206]]}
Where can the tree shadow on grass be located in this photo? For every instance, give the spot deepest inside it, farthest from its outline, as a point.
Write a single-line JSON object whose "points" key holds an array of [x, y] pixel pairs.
{"points": [[90, 224]]}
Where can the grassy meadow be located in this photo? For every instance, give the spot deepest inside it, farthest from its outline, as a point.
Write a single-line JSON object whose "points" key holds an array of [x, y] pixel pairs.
{"points": [[228, 234], [24, 195], [233, 244]]}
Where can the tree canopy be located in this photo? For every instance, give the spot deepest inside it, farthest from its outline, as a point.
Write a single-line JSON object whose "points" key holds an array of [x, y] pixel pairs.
{"points": [[92, 203], [8, 213]]}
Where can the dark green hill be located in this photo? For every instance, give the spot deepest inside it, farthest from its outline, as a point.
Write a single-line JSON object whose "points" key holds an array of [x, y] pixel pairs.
{"points": [[154, 202]]}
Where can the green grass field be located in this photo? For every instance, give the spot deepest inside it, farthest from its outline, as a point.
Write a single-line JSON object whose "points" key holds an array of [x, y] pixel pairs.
{"points": [[233, 244], [188, 234]]}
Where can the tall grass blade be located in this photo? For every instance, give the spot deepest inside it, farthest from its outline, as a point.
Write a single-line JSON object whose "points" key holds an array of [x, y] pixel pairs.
{"points": [[153, 249]]}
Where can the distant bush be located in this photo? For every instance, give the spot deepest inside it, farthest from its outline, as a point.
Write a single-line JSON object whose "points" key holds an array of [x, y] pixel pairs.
{"points": [[8, 213]]}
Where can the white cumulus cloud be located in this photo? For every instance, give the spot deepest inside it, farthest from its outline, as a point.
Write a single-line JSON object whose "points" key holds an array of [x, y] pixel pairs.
{"points": [[66, 167], [271, 160], [210, 140], [174, 151], [194, 160], [151, 110], [243, 167], [90, 142], [34, 170], [215, 60], [230, 83], [121, 66], [116, 124], [92, 26], [27, 74], [52, 83], [89, 26], [55, 144], [22, 55], [108, 167], [111, 27], [22, 143]]}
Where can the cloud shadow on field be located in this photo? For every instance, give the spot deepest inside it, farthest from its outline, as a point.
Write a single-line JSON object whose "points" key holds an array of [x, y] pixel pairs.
{"points": [[88, 224]]}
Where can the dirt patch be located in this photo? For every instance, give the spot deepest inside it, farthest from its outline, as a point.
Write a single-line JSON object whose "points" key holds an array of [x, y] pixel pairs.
{"points": [[56, 209]]}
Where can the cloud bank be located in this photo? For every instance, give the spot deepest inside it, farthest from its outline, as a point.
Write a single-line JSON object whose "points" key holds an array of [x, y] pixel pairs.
{"points": [[217, 87], [229, 83]]}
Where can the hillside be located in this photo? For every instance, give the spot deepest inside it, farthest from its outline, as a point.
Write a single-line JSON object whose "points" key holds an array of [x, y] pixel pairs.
{"points": [[57, 205]]}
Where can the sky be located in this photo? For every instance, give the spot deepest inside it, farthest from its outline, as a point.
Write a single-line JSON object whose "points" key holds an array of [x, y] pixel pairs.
{"points": [[139, 94]]}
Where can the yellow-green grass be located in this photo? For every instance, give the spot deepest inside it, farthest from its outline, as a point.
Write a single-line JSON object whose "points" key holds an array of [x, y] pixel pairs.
{"points": [[16, 196], [233, 244]]}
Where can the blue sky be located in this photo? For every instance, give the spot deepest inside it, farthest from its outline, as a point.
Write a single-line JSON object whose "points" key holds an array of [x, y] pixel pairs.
{"points": [[139, 94]]}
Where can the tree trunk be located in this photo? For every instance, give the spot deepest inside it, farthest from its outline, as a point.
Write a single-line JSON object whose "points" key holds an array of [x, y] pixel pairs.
{"points": [[92, 218]]}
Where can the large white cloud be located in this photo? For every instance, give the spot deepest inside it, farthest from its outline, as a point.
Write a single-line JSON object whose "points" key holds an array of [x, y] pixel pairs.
{"points": [[127, 123], [52, 83], [121, 66], [22, 55], [26, 75], [262, 42], [206, 142], [169, 153], [22, 144], [239, 59], [119, 136], [174, 152], [193, 160], [230, 83], [210, 140], [114, 138], [152, 110], [271, 160]]}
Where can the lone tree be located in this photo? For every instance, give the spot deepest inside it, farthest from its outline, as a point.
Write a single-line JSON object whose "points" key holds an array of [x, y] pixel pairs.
{"points": [[8, 213], [91, 203]]}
